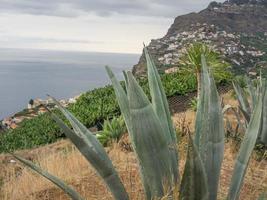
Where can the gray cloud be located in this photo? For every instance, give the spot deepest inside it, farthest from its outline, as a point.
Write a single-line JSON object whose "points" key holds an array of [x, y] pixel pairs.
{"points": [[15, 38], [103, 8]]}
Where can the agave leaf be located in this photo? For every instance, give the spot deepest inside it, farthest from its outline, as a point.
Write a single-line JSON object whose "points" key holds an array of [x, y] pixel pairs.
{"points": [[201, 124], [245, 114], [245, 151], [159, 99], [215, 146], [194, 181], [242, 100], [121, 97], [161, 108], [150, 140], [67, 189], [125, 79], [210, 134], [93, 151], [237, 115], [125, 110], [263, 132], [252, 92], [260, 83]]}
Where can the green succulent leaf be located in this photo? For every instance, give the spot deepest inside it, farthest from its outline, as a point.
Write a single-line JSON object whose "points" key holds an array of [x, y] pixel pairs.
{"points": [[125, 78], [121, 98], [112, 130], [150, 140], [93, 151], [245, 114], [125, 110], [209, 136], [243, 126], [161, 108], [245, 151], [194, 181], [67, 189], [242, 100], [263, 133], [252, 92]]}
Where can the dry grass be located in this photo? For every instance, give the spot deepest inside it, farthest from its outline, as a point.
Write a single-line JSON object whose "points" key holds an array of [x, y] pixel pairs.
{"points": [[20, 183], [64, 161], [67, 163]]}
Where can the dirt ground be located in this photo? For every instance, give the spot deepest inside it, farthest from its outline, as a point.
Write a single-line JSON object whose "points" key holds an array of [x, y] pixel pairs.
{"points": [[62, 159]]}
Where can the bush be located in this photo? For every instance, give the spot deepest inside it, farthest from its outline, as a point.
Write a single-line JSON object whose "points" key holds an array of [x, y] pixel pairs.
{"points": [[97, 105], [31, 133], [112, 130]]}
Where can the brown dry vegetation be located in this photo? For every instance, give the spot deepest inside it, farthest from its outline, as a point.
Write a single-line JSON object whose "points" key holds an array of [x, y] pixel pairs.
{"points": [[63, 160]]}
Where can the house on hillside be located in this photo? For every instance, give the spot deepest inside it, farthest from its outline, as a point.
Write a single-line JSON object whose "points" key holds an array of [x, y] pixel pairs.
{"points": [[171, 70]]}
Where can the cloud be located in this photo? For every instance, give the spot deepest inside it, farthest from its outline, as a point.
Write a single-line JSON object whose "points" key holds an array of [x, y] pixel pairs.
{"points": [[88, 25], [103, 8], [53, 40]]}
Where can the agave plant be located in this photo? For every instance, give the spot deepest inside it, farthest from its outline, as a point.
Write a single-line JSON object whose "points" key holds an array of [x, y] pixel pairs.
{"points": [[154, 142], [247, 99], [240, 126], [112, 130]]}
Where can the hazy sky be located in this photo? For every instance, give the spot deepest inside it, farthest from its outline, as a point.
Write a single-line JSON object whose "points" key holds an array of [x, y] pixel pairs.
{"points": [[89, 25]]}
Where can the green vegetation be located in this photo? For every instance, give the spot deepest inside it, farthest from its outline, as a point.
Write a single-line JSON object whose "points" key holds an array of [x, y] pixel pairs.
{"points": [[191, 62], [32, 132], [112, 130], [99, 104], [92, 107], [96, 105], [154, 142], [247, 98], [193, 104], [259, 42]]}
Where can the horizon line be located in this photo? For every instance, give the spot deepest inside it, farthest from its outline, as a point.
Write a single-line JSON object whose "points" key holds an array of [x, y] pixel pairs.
{"points": [[68, 50]]}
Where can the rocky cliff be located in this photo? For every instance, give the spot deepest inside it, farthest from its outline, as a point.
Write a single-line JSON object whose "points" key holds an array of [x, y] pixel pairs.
{"points": [[235, 28]]}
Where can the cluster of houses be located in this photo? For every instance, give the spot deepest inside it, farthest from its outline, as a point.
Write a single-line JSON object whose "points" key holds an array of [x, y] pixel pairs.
{"points": [[170, 48], [34, 109], [11, 122]]}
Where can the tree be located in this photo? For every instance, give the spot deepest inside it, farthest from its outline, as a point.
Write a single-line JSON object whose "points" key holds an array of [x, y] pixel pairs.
{"points": [[191, 62]]}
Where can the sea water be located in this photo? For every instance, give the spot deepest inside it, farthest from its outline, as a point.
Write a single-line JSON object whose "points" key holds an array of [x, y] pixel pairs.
{"points": [[30, 74]]}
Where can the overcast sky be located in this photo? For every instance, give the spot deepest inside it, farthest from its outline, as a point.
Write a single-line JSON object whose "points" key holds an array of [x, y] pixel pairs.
{"points": [[89, 25]]}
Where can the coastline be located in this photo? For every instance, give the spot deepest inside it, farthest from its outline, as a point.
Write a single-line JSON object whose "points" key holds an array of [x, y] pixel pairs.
{"points": [[27, 74], [35, 107]]}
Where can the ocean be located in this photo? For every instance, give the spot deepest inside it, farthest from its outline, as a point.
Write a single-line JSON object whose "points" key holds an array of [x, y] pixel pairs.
{"points": [[30, 74]]}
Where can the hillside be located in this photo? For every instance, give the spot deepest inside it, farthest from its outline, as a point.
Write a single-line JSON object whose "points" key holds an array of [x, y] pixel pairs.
{"points": [[235, 28], [20, 183]]}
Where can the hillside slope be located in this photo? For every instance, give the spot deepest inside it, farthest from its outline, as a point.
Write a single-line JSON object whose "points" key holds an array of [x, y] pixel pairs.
{"points": [[235, 28]]}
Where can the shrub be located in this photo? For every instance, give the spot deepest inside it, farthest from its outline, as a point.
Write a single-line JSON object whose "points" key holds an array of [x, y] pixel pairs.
{"points": [[112, 130], [31, 133]]}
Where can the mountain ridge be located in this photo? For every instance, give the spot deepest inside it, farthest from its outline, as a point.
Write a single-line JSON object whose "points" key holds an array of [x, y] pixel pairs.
{"points": [[235, 28]]}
